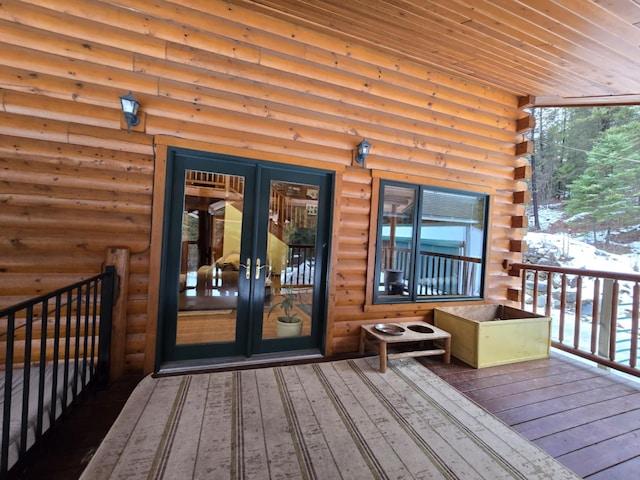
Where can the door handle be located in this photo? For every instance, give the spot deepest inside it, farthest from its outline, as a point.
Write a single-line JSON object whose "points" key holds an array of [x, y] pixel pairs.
{"points": [[258, 268], [247, 269]]}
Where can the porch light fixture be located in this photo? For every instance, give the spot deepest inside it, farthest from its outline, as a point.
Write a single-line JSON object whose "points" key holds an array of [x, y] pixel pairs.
{"points": [[130, 109], [363, 151]]}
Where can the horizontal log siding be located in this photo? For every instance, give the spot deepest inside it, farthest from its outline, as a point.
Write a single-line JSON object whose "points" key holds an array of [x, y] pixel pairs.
{"points": [[63, 205], [74, 182]]}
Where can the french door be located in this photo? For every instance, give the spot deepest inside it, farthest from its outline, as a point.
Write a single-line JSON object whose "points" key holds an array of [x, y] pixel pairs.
{"points": [[245, 253]]}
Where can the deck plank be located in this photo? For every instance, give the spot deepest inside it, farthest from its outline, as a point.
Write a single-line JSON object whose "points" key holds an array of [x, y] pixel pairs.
{"points": [[583, 416], [590, 433], [628, 469], [506, 379], [535, 390], [576, 396], [606, 412], [595, 458]]}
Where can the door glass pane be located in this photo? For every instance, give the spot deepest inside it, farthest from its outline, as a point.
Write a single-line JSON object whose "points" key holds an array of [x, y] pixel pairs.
{"points": [[291, 255], [210, 258]]}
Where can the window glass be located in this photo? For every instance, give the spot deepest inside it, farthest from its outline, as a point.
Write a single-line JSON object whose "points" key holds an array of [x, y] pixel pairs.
{"points": [[431, 244], [397, 239]]}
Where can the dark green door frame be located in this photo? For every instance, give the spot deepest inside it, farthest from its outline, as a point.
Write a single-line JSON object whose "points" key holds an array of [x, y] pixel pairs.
{"points": [[255, 220]]}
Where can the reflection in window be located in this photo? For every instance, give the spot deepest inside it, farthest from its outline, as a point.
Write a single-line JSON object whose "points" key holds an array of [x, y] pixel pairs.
{"points": [[431, 244]]}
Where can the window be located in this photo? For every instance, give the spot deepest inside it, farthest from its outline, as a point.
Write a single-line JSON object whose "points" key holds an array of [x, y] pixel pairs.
{"points": [[431, 244]]}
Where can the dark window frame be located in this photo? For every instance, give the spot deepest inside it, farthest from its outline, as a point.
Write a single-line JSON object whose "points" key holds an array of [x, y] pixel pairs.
{"points": [[384, 284]]}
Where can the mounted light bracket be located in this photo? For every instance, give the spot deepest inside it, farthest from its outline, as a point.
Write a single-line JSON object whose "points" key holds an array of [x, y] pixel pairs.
{"points": [[130, 107], [363, 150]]}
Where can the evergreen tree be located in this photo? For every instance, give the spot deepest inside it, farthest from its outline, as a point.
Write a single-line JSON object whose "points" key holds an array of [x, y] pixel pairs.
{"points": [[606, 195], [562, 139]]}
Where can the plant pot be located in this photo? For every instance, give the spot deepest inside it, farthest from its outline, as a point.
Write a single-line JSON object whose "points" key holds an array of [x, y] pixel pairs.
{"points": [[288, 329]]}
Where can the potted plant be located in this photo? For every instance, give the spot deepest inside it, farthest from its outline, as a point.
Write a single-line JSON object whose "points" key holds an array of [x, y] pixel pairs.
{"points": [[288, 324]]}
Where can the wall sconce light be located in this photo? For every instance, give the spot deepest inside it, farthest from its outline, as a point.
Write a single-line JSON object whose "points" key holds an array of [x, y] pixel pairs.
{"points": [[363, 150], [130, 109]]}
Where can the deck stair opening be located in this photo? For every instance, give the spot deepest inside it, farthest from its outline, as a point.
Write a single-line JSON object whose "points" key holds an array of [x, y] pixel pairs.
{"points": [[53, 348]]}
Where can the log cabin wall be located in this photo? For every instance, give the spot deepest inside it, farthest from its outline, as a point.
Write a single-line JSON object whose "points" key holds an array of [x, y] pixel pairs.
{"points": [[222, 78]]}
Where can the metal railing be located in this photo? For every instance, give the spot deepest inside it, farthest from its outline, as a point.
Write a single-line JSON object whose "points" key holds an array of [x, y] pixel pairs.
{"points": [[594, 313], [52, 348], [300, 266]]}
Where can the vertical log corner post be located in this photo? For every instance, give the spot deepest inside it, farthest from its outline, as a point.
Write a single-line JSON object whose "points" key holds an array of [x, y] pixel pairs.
{"points": [[119, 258]]}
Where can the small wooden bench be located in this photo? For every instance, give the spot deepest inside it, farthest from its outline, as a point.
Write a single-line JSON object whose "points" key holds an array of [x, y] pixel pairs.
{"points": [[418, 339]]}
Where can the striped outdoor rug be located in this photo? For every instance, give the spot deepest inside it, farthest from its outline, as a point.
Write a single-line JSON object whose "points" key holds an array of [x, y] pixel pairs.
{"points": [[338, 420]]}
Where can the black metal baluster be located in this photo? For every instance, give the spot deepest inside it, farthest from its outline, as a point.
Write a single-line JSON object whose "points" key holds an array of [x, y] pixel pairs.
{"points": [[8, 390], [55, 361], [87, 309], [24, 422], [43, 365], [67, 348], [76, 350], [94, 329]]}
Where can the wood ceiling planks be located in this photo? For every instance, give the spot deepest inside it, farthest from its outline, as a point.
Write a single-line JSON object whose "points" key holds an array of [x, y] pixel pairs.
{"points": [[563, 52]]}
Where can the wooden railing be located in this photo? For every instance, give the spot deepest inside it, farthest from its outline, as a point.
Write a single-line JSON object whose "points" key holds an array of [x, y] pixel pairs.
{"points": [[52, 348], [436, 273], [219, 181], [594, 313]]}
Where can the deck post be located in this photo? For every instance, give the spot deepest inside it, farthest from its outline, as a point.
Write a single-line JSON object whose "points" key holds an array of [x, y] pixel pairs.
{"points": [[605, 320], [104, 332], [119, 258]]}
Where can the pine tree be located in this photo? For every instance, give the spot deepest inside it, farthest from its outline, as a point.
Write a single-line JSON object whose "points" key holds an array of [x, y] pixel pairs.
{"points": [[606, 195], [563, 137]]}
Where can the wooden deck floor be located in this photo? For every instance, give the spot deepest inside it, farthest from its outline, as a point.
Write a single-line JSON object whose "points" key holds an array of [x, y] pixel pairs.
{"points": [[584, 417], [587, 419]]}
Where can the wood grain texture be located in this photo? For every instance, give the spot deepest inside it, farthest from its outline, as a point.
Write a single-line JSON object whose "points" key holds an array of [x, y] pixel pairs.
{"points": [[582, 416], [559, 53], [226, 78]]}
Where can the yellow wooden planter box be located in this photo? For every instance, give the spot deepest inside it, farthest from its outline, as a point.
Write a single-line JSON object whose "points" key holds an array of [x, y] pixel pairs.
{"points": [[488, 335]]}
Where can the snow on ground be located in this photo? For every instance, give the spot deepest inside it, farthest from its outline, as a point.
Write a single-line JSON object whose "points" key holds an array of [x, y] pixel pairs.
{"points": [[574, 253], [564, 251], [547, 215], [583, 254]]}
